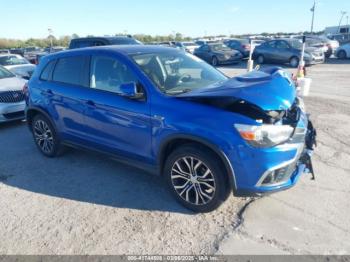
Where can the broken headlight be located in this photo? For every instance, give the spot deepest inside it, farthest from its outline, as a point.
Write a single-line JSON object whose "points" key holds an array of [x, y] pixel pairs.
{"points": [[264, 135]]}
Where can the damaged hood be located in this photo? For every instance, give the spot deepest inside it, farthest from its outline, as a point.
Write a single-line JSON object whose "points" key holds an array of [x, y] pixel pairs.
{"points": [[269, 89]]}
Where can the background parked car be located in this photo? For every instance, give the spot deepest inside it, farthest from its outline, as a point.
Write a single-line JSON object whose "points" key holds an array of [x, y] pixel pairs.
{"points": [[204, 42], [17, 65], [328, 46], [4, 51], [54, 49], [12, 102], [187, 46], [17, 51], [167, 44], [343, 51], [218, 53], [284, 51], [100, 41], [241, 45]]}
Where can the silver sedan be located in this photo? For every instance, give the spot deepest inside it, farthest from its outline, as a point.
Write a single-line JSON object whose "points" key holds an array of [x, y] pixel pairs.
{"points": [[12, 102]]}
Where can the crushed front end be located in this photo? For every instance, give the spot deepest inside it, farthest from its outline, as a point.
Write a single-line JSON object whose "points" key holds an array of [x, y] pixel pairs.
{"points": [[265, 170]]}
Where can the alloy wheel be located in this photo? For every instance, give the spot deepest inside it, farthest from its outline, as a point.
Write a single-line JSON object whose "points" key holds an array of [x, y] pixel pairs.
{"points": [[43, 136], [215, 61], [193, 181], [294, 62]]}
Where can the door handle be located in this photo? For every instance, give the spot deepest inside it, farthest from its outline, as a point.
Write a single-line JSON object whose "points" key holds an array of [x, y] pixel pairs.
{"points": [[90, 103], [47, 92]]}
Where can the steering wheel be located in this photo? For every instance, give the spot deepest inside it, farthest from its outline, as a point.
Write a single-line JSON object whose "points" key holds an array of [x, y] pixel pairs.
{"points": [[184, 78]]}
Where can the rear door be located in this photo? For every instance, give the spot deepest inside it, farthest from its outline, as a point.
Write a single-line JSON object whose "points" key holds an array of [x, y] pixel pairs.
{"points": [[268, 50], [64, 91], [115, 123], [283, 52], [203, 53]]}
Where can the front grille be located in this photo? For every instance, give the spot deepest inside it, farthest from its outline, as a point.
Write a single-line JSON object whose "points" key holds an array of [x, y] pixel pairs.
{"points": [[11, 97], [15, 115]]}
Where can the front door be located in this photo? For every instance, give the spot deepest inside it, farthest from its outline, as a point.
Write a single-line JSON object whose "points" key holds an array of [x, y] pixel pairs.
{"points": [[113, 122]]}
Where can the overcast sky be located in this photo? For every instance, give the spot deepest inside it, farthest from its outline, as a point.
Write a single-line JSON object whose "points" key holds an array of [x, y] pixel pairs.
{"points": [[23, 19]]}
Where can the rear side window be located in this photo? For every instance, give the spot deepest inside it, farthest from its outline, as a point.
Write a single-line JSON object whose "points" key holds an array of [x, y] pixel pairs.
{"points": [[72, 70], [81, 44], [124, 41], [46, 73]]}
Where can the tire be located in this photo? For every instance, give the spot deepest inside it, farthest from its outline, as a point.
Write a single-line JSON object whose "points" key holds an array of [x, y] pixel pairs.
{"points": [[214, 61], [341, 54], [45, 136], [260, 60], [294, 62], [206, 188]]}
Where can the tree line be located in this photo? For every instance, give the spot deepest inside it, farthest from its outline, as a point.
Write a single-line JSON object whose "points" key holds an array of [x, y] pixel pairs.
{"points": [[64, 40]]}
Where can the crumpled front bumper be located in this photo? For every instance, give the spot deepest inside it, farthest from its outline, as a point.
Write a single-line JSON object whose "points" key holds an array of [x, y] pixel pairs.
{"points": [[279, 167]]}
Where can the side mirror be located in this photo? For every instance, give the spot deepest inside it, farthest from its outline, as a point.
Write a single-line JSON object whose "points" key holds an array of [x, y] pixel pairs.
{"points": [[129, 90]]}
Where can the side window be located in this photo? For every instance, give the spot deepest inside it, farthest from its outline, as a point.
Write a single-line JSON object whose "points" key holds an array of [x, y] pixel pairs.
{"points": [[72, 70], [205, 48], [234, 44], [282, 45], [108, 74], [47, 72], [98, 43], [271, 44], [84, 43]]}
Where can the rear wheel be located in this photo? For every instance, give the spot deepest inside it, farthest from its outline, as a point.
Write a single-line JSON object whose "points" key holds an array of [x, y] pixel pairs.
{"points": [[215, 61], [294, 62], [341, 54], [45, 136], [196, 179]]}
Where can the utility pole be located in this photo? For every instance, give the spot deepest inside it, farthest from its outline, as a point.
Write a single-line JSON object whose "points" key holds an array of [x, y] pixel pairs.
{"points": [[341, 19], [50, 35], [313, 16]]}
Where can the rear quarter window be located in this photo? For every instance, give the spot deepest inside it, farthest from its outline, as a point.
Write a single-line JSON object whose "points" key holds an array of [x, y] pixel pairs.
{"points": [[72, 70], [47, 71]]}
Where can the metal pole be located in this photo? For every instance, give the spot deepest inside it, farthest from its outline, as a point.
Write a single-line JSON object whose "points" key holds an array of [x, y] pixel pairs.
{"points": [[341, 19], [313, 16], [50, 35]]}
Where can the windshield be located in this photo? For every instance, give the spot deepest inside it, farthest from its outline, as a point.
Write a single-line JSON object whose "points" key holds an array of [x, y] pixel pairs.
{"points": [[4, 73], [176, 72], [296, 44], [12, 60], [220, 47]]}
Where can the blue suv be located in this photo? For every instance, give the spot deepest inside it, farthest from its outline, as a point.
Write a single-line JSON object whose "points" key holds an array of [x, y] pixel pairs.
{"points": [[171, 113]]}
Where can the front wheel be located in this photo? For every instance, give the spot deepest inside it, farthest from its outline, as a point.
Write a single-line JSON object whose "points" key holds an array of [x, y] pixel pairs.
{"points": [[45, 136], [196, 179], [341, 54], [294, 62], [214, 61]]}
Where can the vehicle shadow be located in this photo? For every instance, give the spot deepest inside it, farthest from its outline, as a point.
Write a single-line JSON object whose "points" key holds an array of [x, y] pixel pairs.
{"points": [[80, 176], [336, 61]]}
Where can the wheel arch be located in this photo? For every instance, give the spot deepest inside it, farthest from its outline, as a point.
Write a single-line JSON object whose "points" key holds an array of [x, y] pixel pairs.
{"points": [[173, 142], [32, 112]]}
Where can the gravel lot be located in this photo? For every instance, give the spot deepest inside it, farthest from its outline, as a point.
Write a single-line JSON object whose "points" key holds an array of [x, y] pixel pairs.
{"points": [[84, 203]]}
